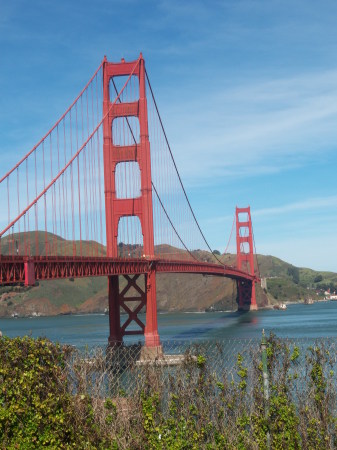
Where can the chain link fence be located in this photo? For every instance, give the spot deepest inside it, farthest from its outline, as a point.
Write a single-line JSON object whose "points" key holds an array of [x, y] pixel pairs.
{"points": [[123, 369], [213, 394]]}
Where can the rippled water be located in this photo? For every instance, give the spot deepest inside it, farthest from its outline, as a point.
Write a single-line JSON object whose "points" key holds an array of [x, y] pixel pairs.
{"points": [[317, 320]]}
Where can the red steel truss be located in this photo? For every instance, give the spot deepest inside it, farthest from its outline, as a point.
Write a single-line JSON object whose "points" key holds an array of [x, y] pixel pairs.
{"points": [[20, 269], [23, 270]]}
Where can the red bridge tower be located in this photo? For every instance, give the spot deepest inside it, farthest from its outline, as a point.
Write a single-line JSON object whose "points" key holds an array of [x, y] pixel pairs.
{"points": [[245, 260], [141, 207]]}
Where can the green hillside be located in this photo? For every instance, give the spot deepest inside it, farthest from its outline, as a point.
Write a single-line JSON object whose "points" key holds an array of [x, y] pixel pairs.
{"points": [[40, 243], [175, 292], [286, 282]]}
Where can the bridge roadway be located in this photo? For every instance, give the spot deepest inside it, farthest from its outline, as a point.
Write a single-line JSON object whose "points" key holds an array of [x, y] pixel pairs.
{"points": [[27, 270]]}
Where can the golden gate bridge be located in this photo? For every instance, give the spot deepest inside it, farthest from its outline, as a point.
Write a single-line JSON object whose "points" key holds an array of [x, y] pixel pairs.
{"points": [[101, 195]]}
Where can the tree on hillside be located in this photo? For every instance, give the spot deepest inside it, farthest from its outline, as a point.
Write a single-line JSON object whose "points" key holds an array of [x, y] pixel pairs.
{"points": [[318, 278], [294, 273]]}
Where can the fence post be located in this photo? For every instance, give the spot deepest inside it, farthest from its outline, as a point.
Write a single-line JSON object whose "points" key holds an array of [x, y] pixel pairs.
{"points": [[265, 382]]}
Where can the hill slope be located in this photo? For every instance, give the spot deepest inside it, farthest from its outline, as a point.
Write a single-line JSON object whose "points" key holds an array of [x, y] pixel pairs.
{"points": [[175, 292]]}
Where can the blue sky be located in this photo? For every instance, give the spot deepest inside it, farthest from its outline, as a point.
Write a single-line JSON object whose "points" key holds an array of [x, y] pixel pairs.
{"points": [[247, 91]]}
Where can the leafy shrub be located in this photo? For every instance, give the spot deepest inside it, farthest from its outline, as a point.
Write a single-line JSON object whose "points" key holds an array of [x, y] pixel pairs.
{"points": [[36, 409], [54, 397]]}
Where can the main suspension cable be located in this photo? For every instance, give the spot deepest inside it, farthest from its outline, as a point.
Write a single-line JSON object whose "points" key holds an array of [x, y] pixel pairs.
{"points": [[175, 166], [53, 127], [73, 158], [257, 260], [154, 188], [230, 237]]}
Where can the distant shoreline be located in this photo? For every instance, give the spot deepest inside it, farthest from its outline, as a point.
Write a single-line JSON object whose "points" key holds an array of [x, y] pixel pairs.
{"points": [[100, 313]]}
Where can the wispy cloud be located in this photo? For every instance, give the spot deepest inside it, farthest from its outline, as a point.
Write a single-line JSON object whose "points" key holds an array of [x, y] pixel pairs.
{"points": [[256, 126], [247, 91], [304, 205], [324, 206]]}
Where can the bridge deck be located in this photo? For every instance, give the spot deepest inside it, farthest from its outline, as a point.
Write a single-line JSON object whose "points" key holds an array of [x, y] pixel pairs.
{"points": [[19, 269]]}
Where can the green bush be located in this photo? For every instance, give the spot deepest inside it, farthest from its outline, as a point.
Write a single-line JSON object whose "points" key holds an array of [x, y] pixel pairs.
{"points": [[58, 398], [36, 409]]}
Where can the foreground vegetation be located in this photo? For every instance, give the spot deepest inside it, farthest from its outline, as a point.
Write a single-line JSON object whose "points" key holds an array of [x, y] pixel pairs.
{"points": [[57, 398]]}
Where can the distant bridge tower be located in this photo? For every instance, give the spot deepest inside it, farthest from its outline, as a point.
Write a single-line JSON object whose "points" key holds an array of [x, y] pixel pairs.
{"points": [[141, 207], [245, 260]]}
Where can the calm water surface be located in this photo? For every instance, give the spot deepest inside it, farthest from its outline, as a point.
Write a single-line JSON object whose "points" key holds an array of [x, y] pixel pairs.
{"points": [[311, 321]]}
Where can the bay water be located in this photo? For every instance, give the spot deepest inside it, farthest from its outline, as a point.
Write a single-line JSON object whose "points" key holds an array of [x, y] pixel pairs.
{"points": [[297, 321]]}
